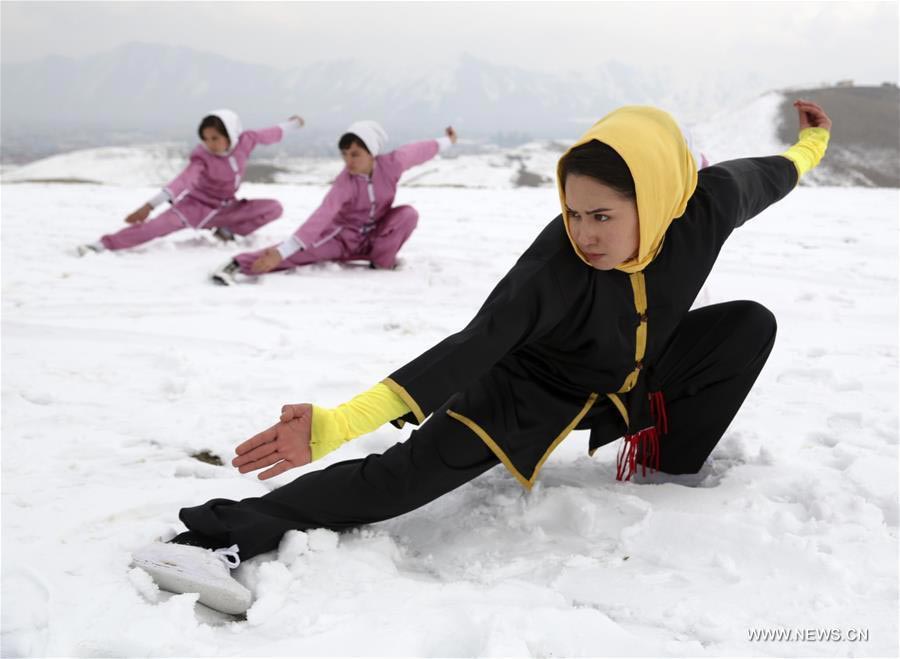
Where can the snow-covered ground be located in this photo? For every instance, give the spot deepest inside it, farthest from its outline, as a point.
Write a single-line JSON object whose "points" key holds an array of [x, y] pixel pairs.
{"points": [[118, 367]]}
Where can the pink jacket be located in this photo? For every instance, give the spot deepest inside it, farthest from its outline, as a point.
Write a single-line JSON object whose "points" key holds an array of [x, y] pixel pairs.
{"points": [[215, 179], [357, 201]]}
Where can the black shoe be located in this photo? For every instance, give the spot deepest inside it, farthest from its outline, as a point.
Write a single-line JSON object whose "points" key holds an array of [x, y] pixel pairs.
{"points": [[397, 264], [224, 234], [224, 276]]}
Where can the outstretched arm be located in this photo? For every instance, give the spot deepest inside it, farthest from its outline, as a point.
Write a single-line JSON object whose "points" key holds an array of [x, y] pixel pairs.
{"points": [[523, 306], [741, 189], [276, 133], [307, 432], [815, 131], [416, 153]]}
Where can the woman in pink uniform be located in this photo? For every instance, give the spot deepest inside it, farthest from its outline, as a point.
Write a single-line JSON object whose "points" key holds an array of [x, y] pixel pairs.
{"points": [[357, 219], [203, 195]]}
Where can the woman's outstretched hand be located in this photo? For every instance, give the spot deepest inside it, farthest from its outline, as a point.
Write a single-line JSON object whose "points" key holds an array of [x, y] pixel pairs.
{"points": [[295, 411], [283, 446], [266, 262], [139, 215], [812, 115]]}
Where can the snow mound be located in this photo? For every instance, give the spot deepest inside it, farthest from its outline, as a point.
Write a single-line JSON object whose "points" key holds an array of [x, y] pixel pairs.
{"points": [[150, 164]]}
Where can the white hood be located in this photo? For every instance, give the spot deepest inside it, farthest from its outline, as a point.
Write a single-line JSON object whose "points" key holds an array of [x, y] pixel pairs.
{"points": [[232, 124], [371, 133]]}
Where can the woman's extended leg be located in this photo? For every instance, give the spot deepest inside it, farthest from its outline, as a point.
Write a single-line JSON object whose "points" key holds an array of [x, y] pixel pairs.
{"points": [[437, 458], [137, 234]]}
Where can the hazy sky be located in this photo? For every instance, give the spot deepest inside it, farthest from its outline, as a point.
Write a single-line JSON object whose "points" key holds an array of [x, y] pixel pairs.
{"points": [[789, 41]]}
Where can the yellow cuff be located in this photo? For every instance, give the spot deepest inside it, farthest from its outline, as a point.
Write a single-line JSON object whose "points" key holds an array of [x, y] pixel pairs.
{"points": [[332, 427], [808, 150]]}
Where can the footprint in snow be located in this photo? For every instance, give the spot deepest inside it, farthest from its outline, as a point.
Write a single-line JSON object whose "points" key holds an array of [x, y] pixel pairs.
{"points": [[805, 375]]}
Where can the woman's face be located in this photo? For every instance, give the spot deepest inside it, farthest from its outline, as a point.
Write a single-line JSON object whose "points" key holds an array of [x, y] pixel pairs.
{"points": [[603, 223], [358, 160], [215, 141]]}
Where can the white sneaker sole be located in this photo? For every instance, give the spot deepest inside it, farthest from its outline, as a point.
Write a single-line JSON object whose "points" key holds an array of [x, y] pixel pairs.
{"points": [[185, 569]]}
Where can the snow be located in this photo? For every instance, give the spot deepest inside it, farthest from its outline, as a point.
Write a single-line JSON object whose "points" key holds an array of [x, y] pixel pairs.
{"points": [[117, 367]]}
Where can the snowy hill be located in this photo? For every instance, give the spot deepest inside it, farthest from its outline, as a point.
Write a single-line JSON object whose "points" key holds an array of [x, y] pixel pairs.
{"points": [[151, 164]]}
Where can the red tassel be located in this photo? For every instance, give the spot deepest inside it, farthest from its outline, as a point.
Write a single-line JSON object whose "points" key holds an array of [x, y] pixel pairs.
{"points": [[626, 463], [658, 412]]}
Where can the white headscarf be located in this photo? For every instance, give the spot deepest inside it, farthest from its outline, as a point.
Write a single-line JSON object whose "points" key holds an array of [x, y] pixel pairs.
{"points": [[232, 124], [371, 133]]}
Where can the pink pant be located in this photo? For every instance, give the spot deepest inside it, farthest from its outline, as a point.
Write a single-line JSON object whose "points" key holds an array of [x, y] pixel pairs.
{"points": [[241, 217], [380, 245]]}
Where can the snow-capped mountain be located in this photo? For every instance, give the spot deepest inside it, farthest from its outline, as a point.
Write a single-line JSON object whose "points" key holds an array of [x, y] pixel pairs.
{"points": [[149, 92]]}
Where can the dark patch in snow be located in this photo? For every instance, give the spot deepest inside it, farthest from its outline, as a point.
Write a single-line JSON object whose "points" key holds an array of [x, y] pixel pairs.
{"points": [[60, 180], [207, 457], [262, 173]]}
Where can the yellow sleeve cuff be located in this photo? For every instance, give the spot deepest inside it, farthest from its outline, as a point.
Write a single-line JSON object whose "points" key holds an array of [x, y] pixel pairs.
{"points": [[808, 150], [332, 427]]}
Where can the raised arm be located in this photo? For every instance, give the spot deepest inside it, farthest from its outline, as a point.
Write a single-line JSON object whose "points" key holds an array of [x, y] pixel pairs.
{"points": [[416, 153], [273, 134], [815, 131], [741, 189]]}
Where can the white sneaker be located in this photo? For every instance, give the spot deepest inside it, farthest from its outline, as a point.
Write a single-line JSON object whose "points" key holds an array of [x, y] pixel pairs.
{"points": [[186, 569], [224, 274]]}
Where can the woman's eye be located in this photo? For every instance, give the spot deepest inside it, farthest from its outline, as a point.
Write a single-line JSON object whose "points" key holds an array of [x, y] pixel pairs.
{"points": [[601, 218]]}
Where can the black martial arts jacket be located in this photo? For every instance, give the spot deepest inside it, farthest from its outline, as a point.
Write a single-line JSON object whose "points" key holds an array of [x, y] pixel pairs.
{"points": [[557, 337]]}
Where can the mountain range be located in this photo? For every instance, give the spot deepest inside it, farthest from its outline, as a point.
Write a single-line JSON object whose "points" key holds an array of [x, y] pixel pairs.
{"points": [[150, 92], [143, 93]]}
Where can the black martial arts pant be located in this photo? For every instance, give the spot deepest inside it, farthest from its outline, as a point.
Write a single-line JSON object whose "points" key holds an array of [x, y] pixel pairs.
{"points": [[705, 373]]}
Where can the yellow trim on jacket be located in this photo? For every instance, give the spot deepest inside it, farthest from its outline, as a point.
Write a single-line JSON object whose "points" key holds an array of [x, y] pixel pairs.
{"points": [[406, 398], [527, 483]]}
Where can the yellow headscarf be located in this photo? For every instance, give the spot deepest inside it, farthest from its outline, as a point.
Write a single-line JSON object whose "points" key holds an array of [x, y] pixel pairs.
{"points": [[664, 172]]}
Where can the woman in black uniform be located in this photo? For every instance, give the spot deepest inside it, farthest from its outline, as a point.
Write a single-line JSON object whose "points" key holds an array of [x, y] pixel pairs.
{"points": [[591, 329]]}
